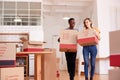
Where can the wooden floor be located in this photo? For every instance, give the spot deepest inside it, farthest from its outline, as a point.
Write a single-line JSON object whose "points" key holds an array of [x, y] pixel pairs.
{"points": [[64, 76]]}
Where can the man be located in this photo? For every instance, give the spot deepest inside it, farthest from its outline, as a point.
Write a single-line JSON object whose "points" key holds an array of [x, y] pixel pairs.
{"points": [[70, 56]]}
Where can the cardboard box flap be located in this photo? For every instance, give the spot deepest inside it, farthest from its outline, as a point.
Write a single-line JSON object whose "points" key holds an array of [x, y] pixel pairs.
{"points": [[86, 34], [68, 37], [23, 39], [36, 42]]}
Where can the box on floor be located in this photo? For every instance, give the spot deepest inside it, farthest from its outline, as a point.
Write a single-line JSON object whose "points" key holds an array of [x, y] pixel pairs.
{"points": [[12, 73], [114, 74]]}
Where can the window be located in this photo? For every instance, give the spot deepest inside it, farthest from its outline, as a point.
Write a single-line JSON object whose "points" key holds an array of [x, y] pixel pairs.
{"points": [[28, 12]]}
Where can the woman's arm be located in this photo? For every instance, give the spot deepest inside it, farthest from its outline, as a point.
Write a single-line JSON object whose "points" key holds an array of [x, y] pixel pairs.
{"points": [[97, 34]]}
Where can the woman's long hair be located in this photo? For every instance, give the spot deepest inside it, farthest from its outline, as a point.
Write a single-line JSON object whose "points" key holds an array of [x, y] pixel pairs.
{"points": [[85, 26]]}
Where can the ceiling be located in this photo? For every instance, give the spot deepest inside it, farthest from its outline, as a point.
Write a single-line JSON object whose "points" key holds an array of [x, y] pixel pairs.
{"points": [[66, 6], [55, 6]]}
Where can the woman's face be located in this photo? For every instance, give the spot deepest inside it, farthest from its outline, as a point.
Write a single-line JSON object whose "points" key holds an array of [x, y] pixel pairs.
{"points": [[87, 23]]}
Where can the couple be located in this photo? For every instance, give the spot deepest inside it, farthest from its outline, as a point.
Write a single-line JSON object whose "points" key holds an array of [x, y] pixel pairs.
{"points": [[87, 50]]}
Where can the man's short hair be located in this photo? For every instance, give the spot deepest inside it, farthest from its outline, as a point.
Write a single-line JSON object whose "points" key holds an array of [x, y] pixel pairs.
{"points": [[70, 20]]}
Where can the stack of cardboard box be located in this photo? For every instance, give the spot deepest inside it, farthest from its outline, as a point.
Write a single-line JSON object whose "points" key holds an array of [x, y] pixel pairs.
{"points": [[114, 55], [8, 71]]}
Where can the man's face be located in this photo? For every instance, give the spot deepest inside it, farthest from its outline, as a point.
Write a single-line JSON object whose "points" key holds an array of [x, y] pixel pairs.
{"points": [[72, 23]]}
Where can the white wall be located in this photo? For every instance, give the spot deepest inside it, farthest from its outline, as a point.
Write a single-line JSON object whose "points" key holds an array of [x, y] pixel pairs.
{"points": [[107, 20], [104, 26], [105, 16], [114, 13], [53, 24], [103, 23], [19, 29]]}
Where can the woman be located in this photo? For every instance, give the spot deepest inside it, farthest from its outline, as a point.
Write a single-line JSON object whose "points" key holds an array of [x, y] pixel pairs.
{"points": [[90, 50]]}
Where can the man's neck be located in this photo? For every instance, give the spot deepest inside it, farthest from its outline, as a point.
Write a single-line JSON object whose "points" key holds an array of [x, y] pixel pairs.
{"points": [[71, 27]]}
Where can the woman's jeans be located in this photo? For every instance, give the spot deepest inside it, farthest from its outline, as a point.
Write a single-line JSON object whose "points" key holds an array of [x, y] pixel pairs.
{"points": [[92, 51]]}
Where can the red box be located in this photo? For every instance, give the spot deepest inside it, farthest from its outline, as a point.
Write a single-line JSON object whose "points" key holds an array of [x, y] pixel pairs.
{"points": [[68, 47], [33, 49], [88, 41], [115, 60], [86, 38]]}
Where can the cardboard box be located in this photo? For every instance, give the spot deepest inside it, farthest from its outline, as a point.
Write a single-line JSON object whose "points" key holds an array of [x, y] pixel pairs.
{"points": [[86, 38], [15, 73], [32, 45], [7, 54], [68, 41], [115, 60], [114, 48], [114, 42], [114, 74], [50, 66]]}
